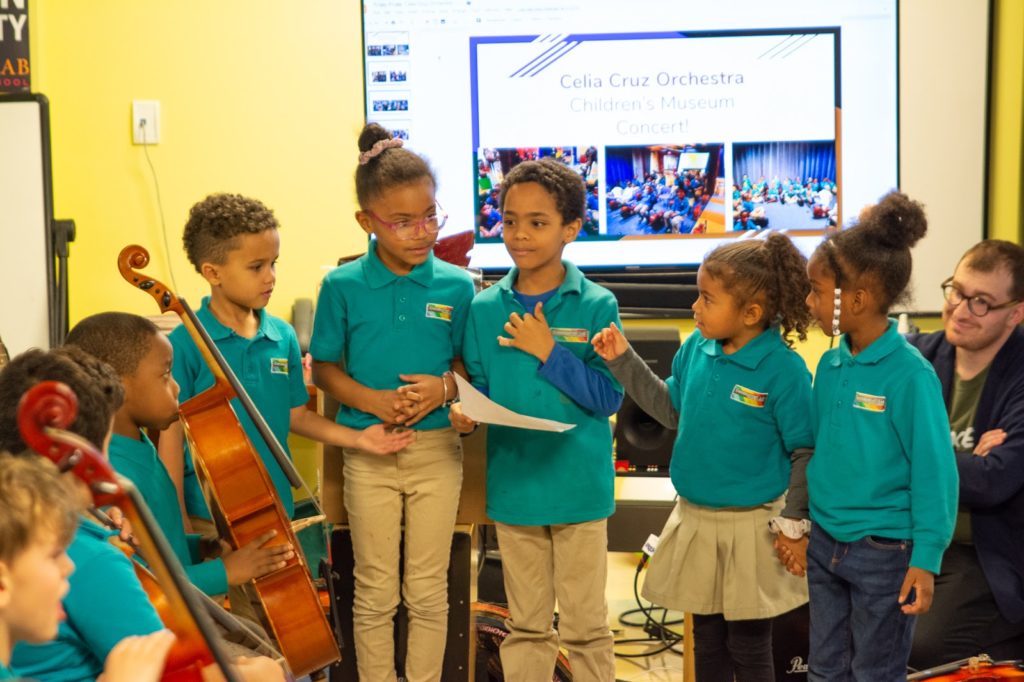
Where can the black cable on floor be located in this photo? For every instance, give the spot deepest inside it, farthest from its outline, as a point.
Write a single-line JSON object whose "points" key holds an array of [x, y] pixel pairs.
{"points": [[668, 638]]}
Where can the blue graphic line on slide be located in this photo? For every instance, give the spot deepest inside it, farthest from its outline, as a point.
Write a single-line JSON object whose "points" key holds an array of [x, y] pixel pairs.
{"points": [[557, 43]]}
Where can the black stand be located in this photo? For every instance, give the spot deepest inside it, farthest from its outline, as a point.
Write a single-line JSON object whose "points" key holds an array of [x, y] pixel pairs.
{"points": [[63, 234]]}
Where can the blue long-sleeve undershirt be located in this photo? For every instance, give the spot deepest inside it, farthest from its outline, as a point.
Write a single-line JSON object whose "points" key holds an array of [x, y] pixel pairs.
{"points": [[587, 387]]}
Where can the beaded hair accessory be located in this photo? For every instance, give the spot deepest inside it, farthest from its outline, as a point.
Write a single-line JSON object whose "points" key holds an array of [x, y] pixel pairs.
{"points": [[835, 312], [377, 148]]}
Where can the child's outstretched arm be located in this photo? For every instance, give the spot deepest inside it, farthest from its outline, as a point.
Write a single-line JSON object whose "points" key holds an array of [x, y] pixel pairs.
{"points": [[386, 405], [609, 343], [375, 439], [639, 380]]}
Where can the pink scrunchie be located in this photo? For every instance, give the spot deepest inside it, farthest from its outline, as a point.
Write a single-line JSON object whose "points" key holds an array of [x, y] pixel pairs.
{"points": [[377, 148]]}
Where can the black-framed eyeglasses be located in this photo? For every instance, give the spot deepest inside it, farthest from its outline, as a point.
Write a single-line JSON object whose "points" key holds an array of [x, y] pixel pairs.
{"points": [[978, 306], [410, 229]]}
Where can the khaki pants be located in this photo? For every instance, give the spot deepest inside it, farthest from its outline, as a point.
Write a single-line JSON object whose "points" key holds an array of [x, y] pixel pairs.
{"points": [[568, 562], [420, 488]]}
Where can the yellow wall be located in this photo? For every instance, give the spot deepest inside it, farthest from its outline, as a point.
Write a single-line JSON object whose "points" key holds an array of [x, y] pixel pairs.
{"points": [[265, 98], [1005, 200], [257, 97]]}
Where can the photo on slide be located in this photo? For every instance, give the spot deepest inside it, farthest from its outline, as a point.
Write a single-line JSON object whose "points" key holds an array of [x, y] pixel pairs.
{"points": [[664, 189], [784, 185], [492, 165]]}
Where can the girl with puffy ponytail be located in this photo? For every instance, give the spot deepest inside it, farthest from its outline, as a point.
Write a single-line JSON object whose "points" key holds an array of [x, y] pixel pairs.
{"points": [[883, 478], [740, 397]]}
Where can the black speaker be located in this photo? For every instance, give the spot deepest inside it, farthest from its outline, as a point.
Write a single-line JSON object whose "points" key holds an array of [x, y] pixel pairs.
{"points": [[643, 445]]}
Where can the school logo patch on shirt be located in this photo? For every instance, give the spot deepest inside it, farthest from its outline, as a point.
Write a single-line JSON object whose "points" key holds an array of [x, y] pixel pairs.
{"points": [[570, 335], [278, 365], [868, 402], [439, 311], [748, 397]]}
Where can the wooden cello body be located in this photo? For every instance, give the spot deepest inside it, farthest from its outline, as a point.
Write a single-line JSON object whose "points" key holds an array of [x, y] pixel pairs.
{"points": [[44, 413], [242, 495]]}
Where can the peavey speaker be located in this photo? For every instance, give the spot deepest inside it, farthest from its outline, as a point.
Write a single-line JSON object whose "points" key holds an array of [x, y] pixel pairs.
{"points": [[640, 440]]}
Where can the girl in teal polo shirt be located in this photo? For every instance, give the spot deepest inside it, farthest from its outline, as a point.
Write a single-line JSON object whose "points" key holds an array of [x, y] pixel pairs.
{"points": [[387, 333], [883, 478], [740, 397]]}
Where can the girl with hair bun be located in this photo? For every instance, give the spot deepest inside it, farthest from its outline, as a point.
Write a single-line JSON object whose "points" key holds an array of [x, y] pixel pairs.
{"points": [[387, 335], [883, 478]]}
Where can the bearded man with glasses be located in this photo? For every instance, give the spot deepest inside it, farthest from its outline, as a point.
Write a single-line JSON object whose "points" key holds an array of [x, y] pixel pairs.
{"points": [[979, 595]]}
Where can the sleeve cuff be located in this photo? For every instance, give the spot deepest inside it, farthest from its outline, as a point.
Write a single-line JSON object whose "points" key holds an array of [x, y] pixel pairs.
{"points": [[927, 556], [209, 576]]}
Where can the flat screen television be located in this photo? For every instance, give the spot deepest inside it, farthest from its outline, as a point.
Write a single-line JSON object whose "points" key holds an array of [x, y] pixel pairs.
{"points": [[692, 124]]}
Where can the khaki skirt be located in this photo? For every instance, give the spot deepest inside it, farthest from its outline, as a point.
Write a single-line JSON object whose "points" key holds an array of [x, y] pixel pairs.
{"points": [[712, 560]]}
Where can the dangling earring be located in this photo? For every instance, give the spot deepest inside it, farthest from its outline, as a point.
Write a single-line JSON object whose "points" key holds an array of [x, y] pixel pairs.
{"points": [[835, 312]]}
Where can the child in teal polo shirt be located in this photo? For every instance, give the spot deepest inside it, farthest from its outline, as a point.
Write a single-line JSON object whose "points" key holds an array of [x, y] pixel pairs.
{"points": [[38, 516], [108, 615], [883, 479], [528, 345], [142, 358], [740, 397], [106, 602], [387, 334], [233, 242]]}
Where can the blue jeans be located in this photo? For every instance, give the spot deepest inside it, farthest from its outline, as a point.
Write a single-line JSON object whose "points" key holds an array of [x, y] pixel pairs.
{"points": [[858, 632]]}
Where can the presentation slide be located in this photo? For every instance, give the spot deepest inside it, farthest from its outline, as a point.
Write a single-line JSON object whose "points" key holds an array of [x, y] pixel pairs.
{"points": [[691, 125], [708, 138]]}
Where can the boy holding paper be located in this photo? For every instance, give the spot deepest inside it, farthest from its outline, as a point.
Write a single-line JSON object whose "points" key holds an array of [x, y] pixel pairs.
{"points": [[528, 346]]}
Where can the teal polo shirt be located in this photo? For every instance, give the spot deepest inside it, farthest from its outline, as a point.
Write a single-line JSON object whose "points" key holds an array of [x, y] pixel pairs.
{"points": [[138, 461], [381, 325], [883, 461], [539, 478], [740, 417], [106, 603], [269, 367]]}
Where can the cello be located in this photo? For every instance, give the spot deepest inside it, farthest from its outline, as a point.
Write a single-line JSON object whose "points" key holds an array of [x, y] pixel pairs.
{"points": [[44, 414], [240, 491], [976, 668]]}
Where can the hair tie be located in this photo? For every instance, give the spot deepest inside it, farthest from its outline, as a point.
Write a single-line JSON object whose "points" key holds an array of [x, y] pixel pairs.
{"points": [[378, 147]]}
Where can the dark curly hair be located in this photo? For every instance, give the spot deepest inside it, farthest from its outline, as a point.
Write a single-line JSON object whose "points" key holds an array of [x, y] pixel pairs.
{"points": [[877, 248], [215, 222], [95, 383], [393, 166], [557, 179], [34, 496], [119, 339], [996, 254], [771, 272]]}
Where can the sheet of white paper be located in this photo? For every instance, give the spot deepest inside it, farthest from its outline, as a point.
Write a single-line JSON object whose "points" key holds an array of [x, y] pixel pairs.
{"points": [[480, 408]]}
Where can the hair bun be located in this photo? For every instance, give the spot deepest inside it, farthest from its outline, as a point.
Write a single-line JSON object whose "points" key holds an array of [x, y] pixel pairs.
{"points": [[372, 133], [897, 221]]}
